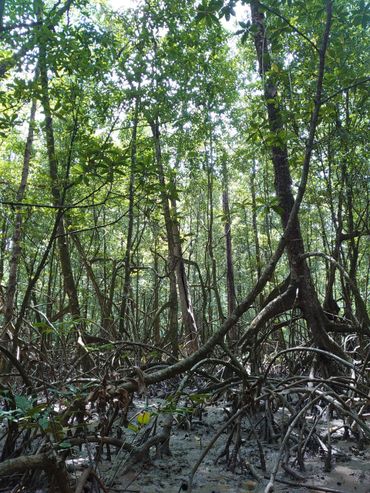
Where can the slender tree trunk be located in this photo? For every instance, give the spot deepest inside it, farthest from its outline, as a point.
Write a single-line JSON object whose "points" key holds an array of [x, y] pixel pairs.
{"points": [[254, 220], [353, 252], [58, 195], [4, 230], [176, 262], [212, 275], [58, 199], [156, 321], [256, 357], [9, 330], [17, 235], [2, 8], [123, 326], [300, 273], [330, 305], [230, 284], [172, 315], [105, 309]]}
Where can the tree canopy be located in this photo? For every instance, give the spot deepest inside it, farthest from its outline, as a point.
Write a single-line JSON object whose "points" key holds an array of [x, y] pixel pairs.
{"points": [[181, 181]]}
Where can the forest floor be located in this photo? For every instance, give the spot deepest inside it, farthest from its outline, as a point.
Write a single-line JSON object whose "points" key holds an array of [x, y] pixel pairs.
{"points": [[225, 468], [350, 466]]}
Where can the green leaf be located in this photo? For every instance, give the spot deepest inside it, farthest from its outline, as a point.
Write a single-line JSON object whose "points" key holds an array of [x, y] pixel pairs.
{"points": [[211, 19], [198, 398], [65, 445], [133, 427], [245, 25], [23, 403], [44, 423], [37, 409], [143, 418], [215, 5], [244, 37]]}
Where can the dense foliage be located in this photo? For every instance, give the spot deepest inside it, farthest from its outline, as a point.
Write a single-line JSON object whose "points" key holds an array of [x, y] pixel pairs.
{"points": [[182, 173]]}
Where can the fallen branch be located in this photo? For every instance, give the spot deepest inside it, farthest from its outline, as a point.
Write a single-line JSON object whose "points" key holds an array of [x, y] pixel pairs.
{"points": [[48, 463]]}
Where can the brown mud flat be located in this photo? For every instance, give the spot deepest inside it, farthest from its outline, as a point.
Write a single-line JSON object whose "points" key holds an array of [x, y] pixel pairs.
{"points": [[350, 467], [190, 436]]}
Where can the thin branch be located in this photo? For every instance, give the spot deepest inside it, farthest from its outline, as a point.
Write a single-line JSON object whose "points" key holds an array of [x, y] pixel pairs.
{"points": [[296, 30], [342, 89], [93, 228]]}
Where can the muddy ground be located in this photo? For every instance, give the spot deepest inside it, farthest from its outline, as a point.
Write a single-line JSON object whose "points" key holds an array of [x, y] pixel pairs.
{"points": [[350, 463]]}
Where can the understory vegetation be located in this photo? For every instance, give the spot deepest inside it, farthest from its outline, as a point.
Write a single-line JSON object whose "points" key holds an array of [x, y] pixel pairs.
{"points": [[184, 221]]}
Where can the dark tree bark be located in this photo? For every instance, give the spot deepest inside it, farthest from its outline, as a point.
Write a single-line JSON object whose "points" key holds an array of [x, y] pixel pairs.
{"points": [[353, 252], [104, 304], [156, 319], [123, 326], [212, 269], [17, 234], [58, 194], [2, 8], [254, 220], [300, 273], [4, 230], [176, 261], [230, 283]]}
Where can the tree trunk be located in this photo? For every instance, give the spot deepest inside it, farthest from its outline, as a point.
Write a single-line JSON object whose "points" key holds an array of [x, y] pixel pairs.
{"points": [[105, 309], [176, 262], [300, 273], [58, 195], [254, 220], [230, 284], [123, 326], [212, 269], [16, 238], [156, 320]]}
